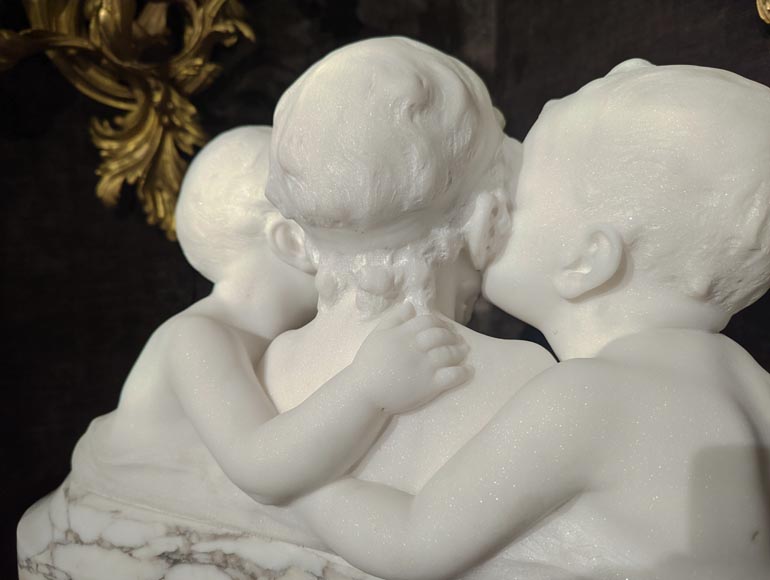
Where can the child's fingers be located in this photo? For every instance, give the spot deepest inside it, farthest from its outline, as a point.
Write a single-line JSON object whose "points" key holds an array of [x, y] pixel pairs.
{"points": [[436, 336], [450, 377], [399, 315], [448, 356], [422, 322]]}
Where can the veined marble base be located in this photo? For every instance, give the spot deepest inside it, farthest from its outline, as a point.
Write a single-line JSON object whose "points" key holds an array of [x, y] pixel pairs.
{"points": [[75, 535]]}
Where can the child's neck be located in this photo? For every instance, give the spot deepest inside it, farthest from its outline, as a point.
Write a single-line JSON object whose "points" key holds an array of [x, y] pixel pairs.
{"points": [[344, 317], [345, 323], [256, 304], [583, 330]]}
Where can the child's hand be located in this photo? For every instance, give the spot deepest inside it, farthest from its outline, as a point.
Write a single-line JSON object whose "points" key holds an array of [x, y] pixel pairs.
{"points": [[408, 360]]}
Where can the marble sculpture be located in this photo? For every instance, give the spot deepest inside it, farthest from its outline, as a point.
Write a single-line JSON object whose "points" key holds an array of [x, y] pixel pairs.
{"points": [[325, 413]]}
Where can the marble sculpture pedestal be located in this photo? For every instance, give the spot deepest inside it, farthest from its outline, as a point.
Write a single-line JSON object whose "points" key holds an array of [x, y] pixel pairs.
{"points": [[73, 534]]}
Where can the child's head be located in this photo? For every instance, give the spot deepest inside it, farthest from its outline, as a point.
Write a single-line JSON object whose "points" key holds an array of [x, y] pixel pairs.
{"points": [[222, 211], [670, 162], [379, 152]]}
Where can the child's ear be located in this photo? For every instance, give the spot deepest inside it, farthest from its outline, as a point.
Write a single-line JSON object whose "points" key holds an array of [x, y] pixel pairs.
{"points": [[287, 241], [481, 228], [594, 259]]}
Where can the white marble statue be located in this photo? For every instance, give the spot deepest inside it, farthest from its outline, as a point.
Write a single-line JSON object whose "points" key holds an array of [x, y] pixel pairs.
{"points": [[195, 435], [323, 414], [641, 224], [400, 182], [195, 383]]}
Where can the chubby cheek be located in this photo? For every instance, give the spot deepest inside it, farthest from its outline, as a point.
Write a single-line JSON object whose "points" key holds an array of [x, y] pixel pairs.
{"points": [[497, 280], [510, 270]]}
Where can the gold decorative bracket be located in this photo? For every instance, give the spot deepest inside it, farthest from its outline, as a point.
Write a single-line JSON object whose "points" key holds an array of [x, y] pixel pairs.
{"points": [[124, 59], [763, 6]]}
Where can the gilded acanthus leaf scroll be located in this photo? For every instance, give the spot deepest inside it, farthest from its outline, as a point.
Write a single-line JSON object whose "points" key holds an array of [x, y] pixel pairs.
{"points": [[764, 9], [118, 52]]}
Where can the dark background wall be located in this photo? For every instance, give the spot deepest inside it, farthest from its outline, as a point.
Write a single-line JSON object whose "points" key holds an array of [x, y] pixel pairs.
{"points": [[83, 286]]}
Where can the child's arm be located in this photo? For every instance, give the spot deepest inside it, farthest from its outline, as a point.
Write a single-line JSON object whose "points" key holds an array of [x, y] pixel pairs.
{"points": [[404, 363], [536, 454]]}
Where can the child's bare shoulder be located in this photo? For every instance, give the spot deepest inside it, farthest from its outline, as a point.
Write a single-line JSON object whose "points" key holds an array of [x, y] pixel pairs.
{"points": [[513, 356], [186, 330], [580, 379], [585, 396], [573, 404], [280, 354], [284, 347], [193, 339]]}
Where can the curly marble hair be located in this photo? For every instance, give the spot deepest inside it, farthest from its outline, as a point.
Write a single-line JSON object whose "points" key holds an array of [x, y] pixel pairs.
{"points": [[379, 151]]}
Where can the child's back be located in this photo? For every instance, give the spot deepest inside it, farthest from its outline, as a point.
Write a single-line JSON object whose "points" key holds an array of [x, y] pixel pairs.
{"points": [[684, 481]]}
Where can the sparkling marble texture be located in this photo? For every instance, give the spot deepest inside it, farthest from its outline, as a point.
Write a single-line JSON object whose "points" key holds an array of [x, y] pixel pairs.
{"points": [[638, 223]]}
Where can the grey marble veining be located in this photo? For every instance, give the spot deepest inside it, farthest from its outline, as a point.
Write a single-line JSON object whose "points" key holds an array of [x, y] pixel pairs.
{"points": [[76, 535]]}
